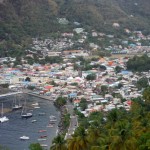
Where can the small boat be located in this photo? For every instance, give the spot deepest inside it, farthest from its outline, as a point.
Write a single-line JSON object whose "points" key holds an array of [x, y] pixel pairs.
{"points": [[35, 104], [53, 119], [24, 137], [27, 115], [44, 145], [24, 113], [42, 131], [42, 114], [3, 118], [42, 139], [34, 121], [16, 106], [36, 107], [50, 126], [43, 136]]}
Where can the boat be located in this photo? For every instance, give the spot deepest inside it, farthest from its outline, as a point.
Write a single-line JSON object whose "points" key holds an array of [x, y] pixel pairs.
{"points": [[42, 114], [44, 145], [53, 118], [50, 126], [42, 131], [35, 104], [16, 106], [43, 136], [34, 121], [36, 107], [3, 118], [24, 113], [42, 139], [24, 137]]}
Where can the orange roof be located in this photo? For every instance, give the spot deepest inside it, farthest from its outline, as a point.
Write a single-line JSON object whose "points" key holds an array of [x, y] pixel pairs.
{"points": [[48, 87]]}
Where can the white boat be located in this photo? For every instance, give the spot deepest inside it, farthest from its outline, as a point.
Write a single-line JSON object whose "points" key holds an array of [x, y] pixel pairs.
{"points": [[53, 119], [3, 118], [36, 107], [50, 126], [42, 139], [34, 121], [24, 137], [24, 113], [35, 104], [44, 145]]}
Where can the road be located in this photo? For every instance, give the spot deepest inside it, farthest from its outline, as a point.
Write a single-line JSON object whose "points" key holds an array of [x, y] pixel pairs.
{"points": [[73, 121]]}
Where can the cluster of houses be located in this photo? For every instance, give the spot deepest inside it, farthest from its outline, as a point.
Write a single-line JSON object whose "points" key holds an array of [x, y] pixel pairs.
{"points": [[53, 80], [133, 42]]}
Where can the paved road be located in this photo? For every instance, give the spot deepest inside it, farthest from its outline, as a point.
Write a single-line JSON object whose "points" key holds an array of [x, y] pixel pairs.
{"points": [[73, 121]]}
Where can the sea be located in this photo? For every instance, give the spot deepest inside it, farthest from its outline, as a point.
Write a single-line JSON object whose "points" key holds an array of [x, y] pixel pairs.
{"points": [[16, 127]]}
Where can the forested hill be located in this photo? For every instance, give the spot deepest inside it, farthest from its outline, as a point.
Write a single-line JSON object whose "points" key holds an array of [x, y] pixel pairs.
{"points": [[22, 18]]}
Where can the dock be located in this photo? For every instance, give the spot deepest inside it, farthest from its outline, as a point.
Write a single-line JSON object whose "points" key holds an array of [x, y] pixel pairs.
{"points": [[9, 94], [39, 96]]}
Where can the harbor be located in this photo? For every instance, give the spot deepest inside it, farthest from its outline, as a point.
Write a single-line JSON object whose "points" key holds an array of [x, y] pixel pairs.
{"points": [[22, 132]]}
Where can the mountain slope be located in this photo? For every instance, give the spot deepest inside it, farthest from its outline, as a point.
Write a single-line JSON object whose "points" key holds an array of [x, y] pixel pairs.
{"points": [[22, 19]]}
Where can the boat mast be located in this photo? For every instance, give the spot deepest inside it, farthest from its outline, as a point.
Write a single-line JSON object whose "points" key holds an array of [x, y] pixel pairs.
{"points": [[2, 111]]}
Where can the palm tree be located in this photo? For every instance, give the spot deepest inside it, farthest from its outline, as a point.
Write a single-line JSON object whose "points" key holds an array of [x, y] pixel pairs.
{"points": [[79, 141], [122, 137], [58, 143]]}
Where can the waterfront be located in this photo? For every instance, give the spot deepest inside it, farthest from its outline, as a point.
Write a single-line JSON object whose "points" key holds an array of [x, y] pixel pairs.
{"points": [[11, 131]]}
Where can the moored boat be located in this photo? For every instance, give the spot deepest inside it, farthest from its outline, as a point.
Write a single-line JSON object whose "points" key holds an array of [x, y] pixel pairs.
{"points": [[24, 137], [42, 131], [3, 118]]}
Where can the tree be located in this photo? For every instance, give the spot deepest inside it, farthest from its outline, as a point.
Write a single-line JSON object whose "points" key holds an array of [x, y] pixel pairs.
{"points": [[28, 79], [58, 143], [104, 89], [60, 101], [35, 146], [83, 104], [91, 77], [79, 140], [142, 83], [118, 69]]}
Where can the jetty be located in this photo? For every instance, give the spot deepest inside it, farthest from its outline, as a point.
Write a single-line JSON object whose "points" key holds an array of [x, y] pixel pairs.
{"points": [[39, 96], [10, 94]]}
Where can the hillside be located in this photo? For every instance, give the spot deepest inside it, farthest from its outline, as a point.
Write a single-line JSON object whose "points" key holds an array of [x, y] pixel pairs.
{"points": [[22, 19]]}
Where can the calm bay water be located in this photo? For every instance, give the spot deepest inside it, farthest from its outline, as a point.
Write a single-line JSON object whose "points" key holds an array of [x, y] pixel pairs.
{"points": [[11, 131]]}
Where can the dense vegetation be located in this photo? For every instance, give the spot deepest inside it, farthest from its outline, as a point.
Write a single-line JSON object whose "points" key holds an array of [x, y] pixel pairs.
{"points": [[22, 19], [139, 63], [115, 130]]}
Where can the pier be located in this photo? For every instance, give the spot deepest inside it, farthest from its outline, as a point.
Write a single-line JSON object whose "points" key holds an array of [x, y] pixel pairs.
{"points": [[10, 94], [39, 96]]}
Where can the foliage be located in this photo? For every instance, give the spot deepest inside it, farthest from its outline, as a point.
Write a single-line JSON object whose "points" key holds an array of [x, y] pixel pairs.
{"points": [[83, 104], [66, 121], [142, 83], [3, 148], [35, 146], [60, 101], [58, 143], [139, 63], [31, 87], [118, 69], [91, 77]]}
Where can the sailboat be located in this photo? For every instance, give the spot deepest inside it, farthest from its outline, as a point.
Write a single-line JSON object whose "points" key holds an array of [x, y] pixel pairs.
{"points": [[3, 118], [24, 113], [16, 106]]}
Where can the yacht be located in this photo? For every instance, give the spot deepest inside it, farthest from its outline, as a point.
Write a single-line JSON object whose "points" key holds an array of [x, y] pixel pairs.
{"points": [[16, 106], [24, 137], [24, 113], [3, 118]]}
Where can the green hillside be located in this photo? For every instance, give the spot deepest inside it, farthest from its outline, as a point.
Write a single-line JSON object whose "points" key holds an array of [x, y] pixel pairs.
{"points": [[22, 19]]}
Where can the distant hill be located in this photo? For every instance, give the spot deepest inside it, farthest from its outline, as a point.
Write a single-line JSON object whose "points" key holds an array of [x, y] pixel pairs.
{"points": [[22, 19]]}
